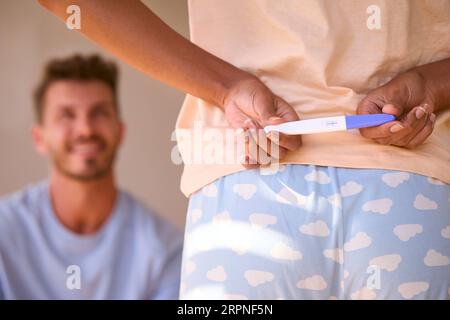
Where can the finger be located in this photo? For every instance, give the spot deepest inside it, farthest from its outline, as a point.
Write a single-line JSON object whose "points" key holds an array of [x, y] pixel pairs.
{"points": [[392, 108], [368, 106], [269, 147], [249, 124], [249, 157], [383, 131], [402, 131], [264, 107], [285, 110], [260, 139], [422, 118], [413, 123], [289, 142], [423, 134], [248, 162], [285, 113], [264, 150]]}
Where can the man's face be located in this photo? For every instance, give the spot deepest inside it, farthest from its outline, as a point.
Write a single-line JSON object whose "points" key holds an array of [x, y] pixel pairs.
{"points": [[80, 129]]}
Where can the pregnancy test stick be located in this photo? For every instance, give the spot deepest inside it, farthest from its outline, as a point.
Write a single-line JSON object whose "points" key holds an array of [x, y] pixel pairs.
{"points": [[330, 124]]}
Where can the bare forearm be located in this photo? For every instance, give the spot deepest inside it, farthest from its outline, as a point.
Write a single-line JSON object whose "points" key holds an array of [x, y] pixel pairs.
{"points": [[437, 79], [135, 34]]}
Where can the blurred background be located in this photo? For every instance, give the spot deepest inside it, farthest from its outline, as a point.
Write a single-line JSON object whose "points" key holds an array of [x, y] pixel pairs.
{"points": [[29, 37]]}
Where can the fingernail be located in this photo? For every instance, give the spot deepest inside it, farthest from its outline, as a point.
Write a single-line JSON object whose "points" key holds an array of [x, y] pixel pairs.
{"points": [[433, 117], [274, 118], [396, 127], [419, 113]]}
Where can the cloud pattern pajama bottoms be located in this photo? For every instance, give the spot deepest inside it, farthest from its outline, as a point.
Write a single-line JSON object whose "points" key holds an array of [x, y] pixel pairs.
{"points": [[315, 232]]}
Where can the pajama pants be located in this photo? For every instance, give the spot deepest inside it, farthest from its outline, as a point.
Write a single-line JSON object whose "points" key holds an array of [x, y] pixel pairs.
{"points": [[314, 232]]}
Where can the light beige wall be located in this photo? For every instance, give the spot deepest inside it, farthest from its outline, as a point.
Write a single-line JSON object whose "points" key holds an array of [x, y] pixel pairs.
{"points": [[29, 36]]}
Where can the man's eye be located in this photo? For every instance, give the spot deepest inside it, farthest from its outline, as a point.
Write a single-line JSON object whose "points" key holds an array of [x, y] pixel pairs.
{"points": [[67, 115], [101, 112]]}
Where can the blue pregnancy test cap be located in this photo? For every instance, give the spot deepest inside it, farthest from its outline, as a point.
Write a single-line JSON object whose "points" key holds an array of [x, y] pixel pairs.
{"points": [[367, 120]]}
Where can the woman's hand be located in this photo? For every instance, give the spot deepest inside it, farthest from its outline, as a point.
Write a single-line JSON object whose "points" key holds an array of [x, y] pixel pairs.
{"points": [[250, 105], [408, 98]]}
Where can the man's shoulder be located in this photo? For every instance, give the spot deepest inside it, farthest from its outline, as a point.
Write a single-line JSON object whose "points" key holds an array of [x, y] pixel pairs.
{"points": [[18, 211], [152, 226], [24, 201]]}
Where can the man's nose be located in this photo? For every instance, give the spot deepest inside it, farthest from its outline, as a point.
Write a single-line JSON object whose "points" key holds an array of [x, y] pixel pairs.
{"points": [[84, 126]]}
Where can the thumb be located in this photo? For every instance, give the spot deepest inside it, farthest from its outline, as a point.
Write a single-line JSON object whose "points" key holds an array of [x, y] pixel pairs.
{"points": [[274, 120], [393, 108], [279, 112], [266, 111]]}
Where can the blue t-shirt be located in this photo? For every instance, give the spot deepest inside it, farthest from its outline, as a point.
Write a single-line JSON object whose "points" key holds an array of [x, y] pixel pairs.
{"points": [[135, 254]]}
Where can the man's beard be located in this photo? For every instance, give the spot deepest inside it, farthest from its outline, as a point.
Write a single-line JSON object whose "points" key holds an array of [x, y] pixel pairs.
{"points": [[97, 171], [93, 168]]}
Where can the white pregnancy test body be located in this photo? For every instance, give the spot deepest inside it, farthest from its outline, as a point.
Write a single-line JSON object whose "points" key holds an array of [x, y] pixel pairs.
{"points": [[327, 124]]}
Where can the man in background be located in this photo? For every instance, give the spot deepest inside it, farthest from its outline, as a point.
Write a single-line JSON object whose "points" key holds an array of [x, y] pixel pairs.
{"points": [[76, 235]]}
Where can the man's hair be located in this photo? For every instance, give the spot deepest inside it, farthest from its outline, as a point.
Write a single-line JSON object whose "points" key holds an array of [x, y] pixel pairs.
{"points": [[77, 67]]}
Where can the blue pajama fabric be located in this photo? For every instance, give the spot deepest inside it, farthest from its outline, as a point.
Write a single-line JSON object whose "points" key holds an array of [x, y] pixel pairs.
{"points": [[314, 232]]}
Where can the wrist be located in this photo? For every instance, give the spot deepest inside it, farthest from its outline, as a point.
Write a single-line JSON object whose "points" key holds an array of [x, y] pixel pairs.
{"points": [[428, 88], [436, 82], [231, 84]]}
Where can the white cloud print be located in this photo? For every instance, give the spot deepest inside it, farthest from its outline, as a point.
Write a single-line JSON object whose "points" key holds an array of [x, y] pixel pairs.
{"points": [[222, 217], [364, 294], [256, 277], [395, 179], [388, 262], [337, 255], [407, 231], [411, 289], [381, 206], [262, 220], [210, 190], [436, 259], [423, 203], [284, 252], [245, 191], [445, 233], [359, 241], [318, 176], [335, 200], [318, 228], [271, 169], [217, 274], [315, 282], [351, 188], [240, 246]]}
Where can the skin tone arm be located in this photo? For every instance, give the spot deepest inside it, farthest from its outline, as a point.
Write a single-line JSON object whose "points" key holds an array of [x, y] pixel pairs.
{"points": [[132, 32], [135, 34]]}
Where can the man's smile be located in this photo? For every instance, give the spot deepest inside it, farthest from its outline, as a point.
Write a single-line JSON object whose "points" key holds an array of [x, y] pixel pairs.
{"points": [[86, 149]]}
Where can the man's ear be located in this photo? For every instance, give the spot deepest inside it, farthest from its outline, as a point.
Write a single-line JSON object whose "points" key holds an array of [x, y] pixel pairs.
{"points": [[38, 139]]}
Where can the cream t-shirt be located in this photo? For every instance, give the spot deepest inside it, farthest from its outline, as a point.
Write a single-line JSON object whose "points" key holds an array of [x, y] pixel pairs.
{"points": [[322, 57]]}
